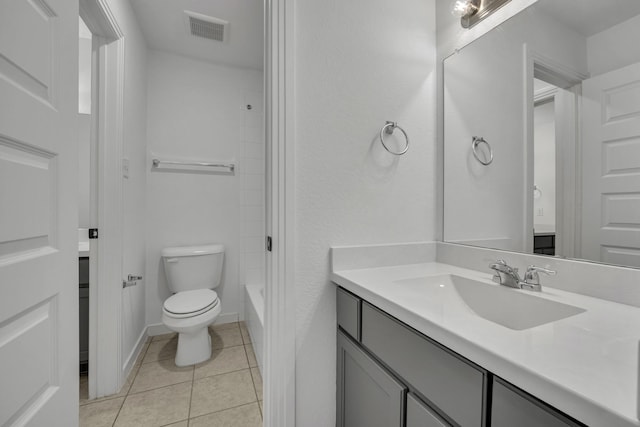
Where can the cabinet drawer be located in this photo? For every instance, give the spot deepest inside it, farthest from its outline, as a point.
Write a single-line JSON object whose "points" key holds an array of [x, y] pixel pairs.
{"points": [[367, 395], [512, 407], [419, 415], [452, 385], [348, 307]]}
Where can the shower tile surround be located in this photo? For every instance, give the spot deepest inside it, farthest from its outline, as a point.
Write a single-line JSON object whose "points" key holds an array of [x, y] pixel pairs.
{"points": [[252, 193], [225, 390], [575, 393]]}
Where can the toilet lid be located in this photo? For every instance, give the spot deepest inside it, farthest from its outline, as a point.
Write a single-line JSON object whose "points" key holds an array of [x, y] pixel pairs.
{"points": [[191, 302]]}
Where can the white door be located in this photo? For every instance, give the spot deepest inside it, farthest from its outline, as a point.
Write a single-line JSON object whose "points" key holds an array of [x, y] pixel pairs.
{"points": [[611, 167], [38, 213]]}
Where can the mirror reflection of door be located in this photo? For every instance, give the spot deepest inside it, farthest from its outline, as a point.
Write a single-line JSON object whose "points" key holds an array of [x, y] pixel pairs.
{"points": [[611, 166]]}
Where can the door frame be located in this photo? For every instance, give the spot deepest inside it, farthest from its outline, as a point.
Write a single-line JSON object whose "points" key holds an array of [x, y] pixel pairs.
{"points": [[106, 374], [567, 152], [280, 309]]}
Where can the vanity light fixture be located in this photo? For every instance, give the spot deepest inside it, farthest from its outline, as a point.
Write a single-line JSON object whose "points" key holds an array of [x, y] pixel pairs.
{"points": [[473, 11]]}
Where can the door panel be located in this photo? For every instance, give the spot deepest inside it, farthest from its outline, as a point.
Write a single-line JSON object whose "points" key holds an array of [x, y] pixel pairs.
{"points": [[367, 395], [28, 213], [38, 213], [28, 63], [611, 167]]}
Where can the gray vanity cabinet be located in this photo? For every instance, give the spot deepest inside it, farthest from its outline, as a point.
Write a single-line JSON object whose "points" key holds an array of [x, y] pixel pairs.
{"points": [[420, 415], [387, 371], [348, 307], [451, 384], [512, 407], [368, 396]]}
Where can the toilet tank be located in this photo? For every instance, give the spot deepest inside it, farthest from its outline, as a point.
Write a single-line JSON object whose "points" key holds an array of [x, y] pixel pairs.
{"points": [[193, 267]]}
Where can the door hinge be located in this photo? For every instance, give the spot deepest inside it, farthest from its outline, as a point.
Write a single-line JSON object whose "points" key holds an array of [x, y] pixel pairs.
{"points": [[269, 243], [93, 233]]}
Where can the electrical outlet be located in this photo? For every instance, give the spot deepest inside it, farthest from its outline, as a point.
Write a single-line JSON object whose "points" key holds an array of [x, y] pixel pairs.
{"points": [[540, 211]]}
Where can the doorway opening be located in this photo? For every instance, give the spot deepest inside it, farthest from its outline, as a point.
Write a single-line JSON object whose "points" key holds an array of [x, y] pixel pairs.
{"points": [[101, 200], [84, 186], [553, 185]]}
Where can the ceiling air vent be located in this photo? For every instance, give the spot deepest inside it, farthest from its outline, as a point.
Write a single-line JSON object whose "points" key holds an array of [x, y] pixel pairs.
{"points": [[207, 27]]}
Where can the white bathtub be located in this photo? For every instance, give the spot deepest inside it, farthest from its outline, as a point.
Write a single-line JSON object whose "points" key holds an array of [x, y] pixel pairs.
{"points": [[254, 317]]}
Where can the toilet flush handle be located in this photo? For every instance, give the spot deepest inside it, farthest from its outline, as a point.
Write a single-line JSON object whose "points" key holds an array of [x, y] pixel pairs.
{"points": [[171, 260]]}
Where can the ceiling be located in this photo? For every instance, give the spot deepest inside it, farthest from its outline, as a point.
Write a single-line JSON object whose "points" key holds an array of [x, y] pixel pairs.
{"points": [[164, 28], [589, 17]]}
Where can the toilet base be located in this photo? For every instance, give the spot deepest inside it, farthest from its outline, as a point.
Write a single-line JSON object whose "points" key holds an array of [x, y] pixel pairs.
{"points": [[193, 347]]}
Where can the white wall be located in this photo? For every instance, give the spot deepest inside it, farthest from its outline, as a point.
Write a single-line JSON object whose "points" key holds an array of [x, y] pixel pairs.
{"points": [[544, 163], [84, 128], [84, 169], [135, 137], [614, 48], [358, 64], [252, 198], [197, 111]]}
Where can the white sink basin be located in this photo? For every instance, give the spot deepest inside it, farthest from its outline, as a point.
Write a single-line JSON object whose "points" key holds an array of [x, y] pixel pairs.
{"points": [[511, 308]]}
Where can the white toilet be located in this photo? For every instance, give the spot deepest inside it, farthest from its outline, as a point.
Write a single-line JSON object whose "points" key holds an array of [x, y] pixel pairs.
{"points": [[192, 274]]}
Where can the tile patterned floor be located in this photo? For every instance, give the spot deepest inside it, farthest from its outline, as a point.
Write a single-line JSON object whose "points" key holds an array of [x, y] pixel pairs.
{"points": [[225, 391]]}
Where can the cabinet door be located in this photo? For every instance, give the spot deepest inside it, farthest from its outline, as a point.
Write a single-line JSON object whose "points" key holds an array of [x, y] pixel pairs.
{"points": [[451, 384], [419, 415], [368, 396], [512, 407]]}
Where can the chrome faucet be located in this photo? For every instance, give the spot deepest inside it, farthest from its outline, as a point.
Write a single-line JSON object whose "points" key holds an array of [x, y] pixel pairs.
{"points": [[508, 276], [505, 274]]}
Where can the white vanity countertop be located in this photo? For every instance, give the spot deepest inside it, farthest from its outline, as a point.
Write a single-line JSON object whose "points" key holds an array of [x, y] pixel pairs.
{"points": [[585, 365], [83, 249]]}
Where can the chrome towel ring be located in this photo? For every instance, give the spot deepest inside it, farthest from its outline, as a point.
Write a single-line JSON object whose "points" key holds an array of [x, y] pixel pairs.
{"points": [[477, 140], [388, 129]]}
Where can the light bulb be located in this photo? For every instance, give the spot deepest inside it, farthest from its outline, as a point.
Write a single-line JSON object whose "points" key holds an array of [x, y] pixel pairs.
{"points": [[463, 8]]}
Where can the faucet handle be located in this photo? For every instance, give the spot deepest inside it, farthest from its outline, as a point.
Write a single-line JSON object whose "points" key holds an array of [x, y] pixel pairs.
{"points": [[534, 269], [532, 278]]}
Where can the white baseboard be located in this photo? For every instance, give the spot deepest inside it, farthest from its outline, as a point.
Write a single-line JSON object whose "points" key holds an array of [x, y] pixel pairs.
{"points": [[227, 318], [133, 356], [160, 328], [157, 329]]}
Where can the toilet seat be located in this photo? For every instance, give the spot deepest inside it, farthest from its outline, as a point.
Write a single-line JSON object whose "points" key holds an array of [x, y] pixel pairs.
{"points": [[190, 303]]}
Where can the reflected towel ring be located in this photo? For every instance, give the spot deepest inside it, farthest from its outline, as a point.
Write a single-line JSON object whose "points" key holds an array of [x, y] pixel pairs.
{"points": [[388, 129], [474, 146]]}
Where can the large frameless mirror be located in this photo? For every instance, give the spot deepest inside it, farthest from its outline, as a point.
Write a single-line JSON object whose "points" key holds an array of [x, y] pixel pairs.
{"points": [[542, 134]]}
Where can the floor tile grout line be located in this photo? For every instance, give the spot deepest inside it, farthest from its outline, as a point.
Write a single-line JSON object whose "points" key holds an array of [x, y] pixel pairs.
{"points": [[124, 399], [193, 380], [157, 388], [125, 394], [172, 357], [193, 383], [255, 389], [170, 424], [224, 373], [227, 409], [136, 370], [135, 375]]}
